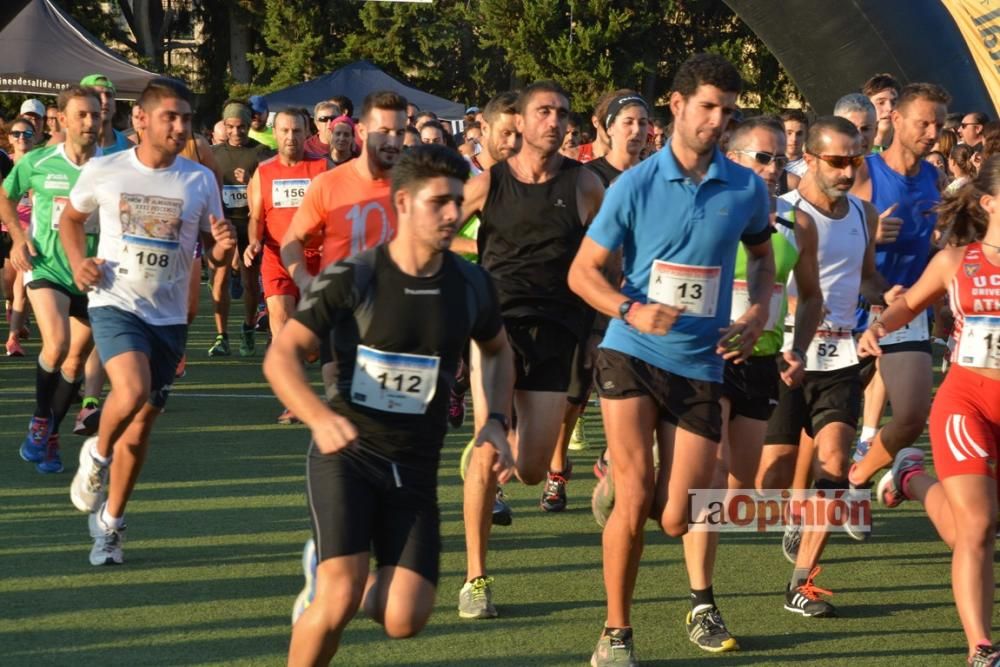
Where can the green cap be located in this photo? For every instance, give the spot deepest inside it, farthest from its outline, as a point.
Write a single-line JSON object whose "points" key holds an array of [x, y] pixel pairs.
{"points": [[101, 80]]}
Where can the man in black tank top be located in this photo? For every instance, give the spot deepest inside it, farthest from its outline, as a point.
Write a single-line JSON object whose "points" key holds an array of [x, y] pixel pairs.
{"points": [[534, 209]]}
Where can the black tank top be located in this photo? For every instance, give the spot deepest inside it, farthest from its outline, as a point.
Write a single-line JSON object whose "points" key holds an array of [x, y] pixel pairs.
{"points": [[229, 159], [529, 235]]}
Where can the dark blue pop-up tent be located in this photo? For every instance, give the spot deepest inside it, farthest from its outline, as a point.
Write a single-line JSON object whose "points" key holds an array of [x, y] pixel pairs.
{"points": [[356, 81]]}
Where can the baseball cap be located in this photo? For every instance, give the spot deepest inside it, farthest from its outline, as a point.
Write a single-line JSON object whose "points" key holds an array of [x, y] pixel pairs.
{"points": [[99, 80], [33, 106], [472, 111], [258, 104]]}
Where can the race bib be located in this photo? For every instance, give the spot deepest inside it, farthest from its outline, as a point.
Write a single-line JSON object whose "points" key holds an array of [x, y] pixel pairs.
{"points": [[831, 350], [148, 263], [394, 382], [288, 192], [58, 206], [915, 331], [694, 287], [979, 346], [741, 303], [234, 196]]}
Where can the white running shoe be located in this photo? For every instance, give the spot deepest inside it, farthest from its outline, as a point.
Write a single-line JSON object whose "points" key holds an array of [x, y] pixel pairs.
{"points": [[108, 541], [308, 592], [90, 483]]}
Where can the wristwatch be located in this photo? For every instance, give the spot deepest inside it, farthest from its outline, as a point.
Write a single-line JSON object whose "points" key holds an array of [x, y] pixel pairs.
{"points": [[500, 417], [625, 308], [800, 354]]}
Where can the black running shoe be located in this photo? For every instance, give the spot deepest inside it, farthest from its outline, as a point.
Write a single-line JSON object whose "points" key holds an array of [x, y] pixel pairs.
{"points": [[502, 514], [707, 630], [806, 600], [554, 493]]}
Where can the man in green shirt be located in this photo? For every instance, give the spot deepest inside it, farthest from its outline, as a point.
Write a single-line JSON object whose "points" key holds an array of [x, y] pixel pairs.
{"points": [[60, 307]]}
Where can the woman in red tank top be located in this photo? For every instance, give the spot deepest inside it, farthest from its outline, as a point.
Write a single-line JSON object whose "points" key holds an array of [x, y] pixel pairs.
{"points": [[965, 417]]}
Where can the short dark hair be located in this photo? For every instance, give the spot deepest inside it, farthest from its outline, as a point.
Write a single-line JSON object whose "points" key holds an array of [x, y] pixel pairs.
{"points": [[381, 99], [345, 104], [991, 139], [425, 114], [162, 88], [827, 125], [979, 117], [741, 133], [69, 92], [412, 130], [543, 86], [473, 125], [707, 69], [796, 115], [504, 103], [435, 124], [879, 82], [424, 162], [922, 91]]}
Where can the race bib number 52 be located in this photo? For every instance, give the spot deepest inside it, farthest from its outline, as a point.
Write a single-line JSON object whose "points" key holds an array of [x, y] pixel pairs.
{"points": [[394, 382], [831, 350], [694, 287]]}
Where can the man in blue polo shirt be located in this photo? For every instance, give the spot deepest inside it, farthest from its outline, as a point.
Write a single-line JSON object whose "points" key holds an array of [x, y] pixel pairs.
{"points": [[677, 218]]}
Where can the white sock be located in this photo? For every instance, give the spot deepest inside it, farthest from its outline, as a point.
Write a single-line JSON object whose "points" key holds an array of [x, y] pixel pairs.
{"points": [[97, 457], [868, 433], [110, 521]]}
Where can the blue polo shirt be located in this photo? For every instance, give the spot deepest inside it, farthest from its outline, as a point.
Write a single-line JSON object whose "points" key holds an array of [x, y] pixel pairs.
{"points": [[654, 212]]}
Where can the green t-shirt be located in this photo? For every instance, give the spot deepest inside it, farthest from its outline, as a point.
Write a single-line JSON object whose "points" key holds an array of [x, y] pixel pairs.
{"points": [[49, 175], [265, 137], [470, 231], [786, 256]]}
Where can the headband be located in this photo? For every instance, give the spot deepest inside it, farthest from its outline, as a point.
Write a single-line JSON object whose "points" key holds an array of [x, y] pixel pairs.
{"points": [[616, 105], [343, 118], [236, 110]]}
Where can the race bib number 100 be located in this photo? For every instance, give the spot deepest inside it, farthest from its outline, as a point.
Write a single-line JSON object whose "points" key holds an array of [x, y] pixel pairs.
{"points": [[979, 346], [234, 196], [694, 287], [394, 382]]}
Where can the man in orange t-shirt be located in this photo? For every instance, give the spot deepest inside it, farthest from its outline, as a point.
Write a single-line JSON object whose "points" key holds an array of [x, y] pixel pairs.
{"points": [[349, 207]]}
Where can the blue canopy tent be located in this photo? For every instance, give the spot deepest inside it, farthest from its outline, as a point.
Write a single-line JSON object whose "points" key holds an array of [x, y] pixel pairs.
{"points": [[356, 81]]}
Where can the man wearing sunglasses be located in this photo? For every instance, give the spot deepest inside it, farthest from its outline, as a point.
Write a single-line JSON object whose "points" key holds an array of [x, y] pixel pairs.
{"points": [[318, 145], [901, 183], [971, 129]]}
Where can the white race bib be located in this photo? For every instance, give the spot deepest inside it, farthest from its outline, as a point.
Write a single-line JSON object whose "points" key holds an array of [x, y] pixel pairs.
{"points": [[979, 346], [915, 331], [741, 303], [288, 192], [394, 382], [58, 206], [234, 196], [831, 350], [148, 263], [694, 287]]}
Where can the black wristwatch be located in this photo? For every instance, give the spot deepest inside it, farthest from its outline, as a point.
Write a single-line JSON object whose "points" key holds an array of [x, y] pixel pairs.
{"points": [[624, 308], [502, 418], [800, 354]]}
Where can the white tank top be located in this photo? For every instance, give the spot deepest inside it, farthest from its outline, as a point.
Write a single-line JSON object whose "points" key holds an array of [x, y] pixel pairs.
{"points": [[841, 253]]}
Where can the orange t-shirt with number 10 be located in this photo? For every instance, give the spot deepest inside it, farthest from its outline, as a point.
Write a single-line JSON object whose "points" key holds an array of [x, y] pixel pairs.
{"points": [[350, 212]]}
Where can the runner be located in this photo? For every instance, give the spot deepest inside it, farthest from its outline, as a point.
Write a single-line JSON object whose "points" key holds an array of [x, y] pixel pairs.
{"points": [[534, 208], [22, 139], [373, 459], [275, 192], [903, 184], [796, 127], [965, 418], [342, 146], [153, 208], [677, 218], [318, 145], [883, 91], [60, 308], [112, 141], [259, 131], [237, 159], [827, 404]]}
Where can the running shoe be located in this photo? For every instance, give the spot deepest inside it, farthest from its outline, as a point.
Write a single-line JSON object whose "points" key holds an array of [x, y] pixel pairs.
{"points": [[33, 446], [708, 631], [860, 450], [985, 656], [456, 409], [235, 285], [220, 348], [14, 348], [287, 418], [503, 515], [791, 539], [108, 541], [263, 323], [578, 439], [554, 493], [89, 489], [602, 501], [247, 343], [181, 370], [890, 488], [308, 592], [859, 531], [87, 420], [614, 651], [475, 600], [805, 599], [601, 465], [52, 462]]}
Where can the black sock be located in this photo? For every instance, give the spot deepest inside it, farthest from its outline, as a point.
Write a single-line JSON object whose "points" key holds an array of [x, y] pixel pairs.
{"points": [[62, 398], [702, 597], [618, 633], [45, 387]]}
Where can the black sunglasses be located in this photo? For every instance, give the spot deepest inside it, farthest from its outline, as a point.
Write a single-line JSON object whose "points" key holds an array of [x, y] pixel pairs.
{"points": [[17, 134], [324, 119], [766, 158]]}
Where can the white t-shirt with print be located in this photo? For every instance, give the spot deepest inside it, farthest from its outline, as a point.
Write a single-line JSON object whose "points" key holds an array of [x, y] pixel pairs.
{"points": [[150, 221]]}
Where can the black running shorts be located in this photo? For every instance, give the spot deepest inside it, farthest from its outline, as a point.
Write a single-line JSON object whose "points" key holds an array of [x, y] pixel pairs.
{"points": [[752, 387], [543, 353], [823, 398], [77, 302], [361, 502]]}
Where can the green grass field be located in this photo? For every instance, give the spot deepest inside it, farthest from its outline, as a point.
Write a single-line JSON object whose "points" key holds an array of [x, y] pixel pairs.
{"points": [[217, 524]]}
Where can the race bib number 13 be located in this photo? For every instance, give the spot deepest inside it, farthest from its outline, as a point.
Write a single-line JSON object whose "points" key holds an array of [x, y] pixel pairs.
{"points": [[394, 382], [979, 346], [694, 287]]}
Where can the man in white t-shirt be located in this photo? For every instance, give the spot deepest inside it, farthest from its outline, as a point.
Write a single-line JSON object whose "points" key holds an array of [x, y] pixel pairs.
{"points": [[153, 208]]}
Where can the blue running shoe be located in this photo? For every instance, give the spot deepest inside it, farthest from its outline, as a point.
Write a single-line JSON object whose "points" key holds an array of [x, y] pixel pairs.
{"points": [[52, 463], [308, 592], [34, 445]]}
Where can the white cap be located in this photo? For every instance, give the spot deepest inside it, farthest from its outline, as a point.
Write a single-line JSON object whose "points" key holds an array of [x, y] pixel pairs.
{"points": [[33, 106]]}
